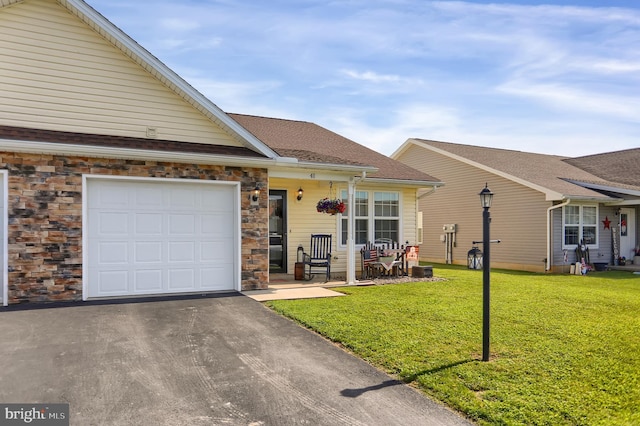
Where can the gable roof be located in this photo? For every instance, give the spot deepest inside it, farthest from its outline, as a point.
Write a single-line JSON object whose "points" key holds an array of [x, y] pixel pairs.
{"points": [[552, 175], [157, 69], [619, 166], [314, 144]]}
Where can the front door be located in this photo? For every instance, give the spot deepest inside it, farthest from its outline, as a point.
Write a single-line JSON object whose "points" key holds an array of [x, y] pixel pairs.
{"points": [[278, 231], [627, 232]]}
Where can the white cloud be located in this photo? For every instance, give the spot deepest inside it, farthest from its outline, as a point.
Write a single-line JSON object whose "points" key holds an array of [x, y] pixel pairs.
{"points": [[371, 77], [179, 25], [571, 99]]}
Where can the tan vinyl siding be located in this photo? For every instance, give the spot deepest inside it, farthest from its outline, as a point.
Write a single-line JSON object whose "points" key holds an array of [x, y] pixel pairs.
{"points": [[518, 213], [303, 219], [58, 74]]}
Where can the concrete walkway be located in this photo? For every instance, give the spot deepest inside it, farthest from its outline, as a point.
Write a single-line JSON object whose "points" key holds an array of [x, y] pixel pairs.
{"points": [[224, 360], [308, 292]]}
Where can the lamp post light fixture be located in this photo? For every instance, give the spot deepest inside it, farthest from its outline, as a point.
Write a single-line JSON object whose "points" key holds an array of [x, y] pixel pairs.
{"points": [[486, 197]]}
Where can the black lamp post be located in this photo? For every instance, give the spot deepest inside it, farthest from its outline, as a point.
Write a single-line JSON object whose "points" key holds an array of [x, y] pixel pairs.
{"points": [[486, 196]]}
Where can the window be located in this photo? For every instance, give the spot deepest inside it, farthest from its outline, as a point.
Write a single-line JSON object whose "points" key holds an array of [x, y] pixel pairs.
{"points": [[380, 209], [580, 223]]}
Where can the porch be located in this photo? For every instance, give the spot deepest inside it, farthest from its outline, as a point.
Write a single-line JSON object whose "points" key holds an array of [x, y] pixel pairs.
{"points": [[288, 281]]}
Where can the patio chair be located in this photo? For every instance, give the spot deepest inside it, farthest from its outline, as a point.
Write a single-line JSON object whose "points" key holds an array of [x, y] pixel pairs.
{"points": [[369, 256], [319, 256]]}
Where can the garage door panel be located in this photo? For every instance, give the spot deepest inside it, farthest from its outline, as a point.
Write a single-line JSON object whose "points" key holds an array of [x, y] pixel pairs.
{"points": [[148, 280], [161, 237], [113, 282], [110, 196], [113, 223], [215, 223], [216, 201], [212, 278], [182, 251], [148, 223], [183, 199], [147, 197], [182, 224], [148, 252], [182, 279], [113, 253]]}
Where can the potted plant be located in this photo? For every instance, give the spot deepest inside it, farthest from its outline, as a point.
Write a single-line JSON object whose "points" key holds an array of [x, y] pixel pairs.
{"points": [[636, 255], [330, 206]]}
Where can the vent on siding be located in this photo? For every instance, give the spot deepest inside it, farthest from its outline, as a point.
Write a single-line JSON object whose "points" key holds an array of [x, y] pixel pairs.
{"points": [[419, 230]]}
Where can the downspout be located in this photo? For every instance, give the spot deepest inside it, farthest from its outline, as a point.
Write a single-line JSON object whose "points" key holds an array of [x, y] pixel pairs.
{"points": [[548, 267], [351, 223]]}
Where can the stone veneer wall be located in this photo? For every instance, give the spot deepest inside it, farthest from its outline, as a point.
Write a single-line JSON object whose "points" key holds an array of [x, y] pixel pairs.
{"points": [[45, 219]]}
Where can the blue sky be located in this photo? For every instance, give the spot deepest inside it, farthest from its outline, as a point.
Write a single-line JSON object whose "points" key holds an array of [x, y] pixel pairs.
{"points": [[561, 77]]}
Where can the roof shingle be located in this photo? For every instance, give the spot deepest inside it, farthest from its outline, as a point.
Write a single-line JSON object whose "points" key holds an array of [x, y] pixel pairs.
{"points": [[309, 142], [619, 166], [547, 171]]}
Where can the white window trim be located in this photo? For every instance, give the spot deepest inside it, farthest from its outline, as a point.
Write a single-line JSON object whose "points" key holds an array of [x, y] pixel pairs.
{"points": [[581, 225], [371, 217]]}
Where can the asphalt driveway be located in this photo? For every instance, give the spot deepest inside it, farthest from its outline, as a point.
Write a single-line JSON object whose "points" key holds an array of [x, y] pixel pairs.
{"points": [[226, 360]]}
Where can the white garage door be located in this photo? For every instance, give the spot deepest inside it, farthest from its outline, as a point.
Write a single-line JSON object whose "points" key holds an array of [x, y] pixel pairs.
{"points": [[161, 236]]}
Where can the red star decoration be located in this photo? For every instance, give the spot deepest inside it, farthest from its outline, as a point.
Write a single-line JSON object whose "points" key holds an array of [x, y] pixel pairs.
{"points": [[606, 222]]}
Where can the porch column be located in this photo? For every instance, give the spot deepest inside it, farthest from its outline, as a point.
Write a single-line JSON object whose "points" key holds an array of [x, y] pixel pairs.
{"points": [[351, 244]]}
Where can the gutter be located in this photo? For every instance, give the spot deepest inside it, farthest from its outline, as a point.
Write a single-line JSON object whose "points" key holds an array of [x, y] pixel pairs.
{"points": [[548, 267]]}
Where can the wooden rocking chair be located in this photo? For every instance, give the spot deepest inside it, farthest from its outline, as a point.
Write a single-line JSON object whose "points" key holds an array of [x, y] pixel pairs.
{"points": [[319, 256]]}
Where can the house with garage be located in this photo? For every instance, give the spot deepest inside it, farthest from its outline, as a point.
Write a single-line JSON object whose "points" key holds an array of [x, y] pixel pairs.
{"points": [[118, 178], [544, 206]]}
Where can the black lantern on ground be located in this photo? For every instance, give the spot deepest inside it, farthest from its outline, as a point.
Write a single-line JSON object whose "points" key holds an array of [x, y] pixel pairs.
{"points": [[486, 196], [474, 258]]}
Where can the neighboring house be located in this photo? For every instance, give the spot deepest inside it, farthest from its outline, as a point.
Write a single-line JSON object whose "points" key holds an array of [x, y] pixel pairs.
{"points": [[117, 178], [543, 206]]}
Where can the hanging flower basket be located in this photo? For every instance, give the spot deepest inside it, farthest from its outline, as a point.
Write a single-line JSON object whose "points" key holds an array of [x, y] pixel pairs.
{"points": [[330, 206]]}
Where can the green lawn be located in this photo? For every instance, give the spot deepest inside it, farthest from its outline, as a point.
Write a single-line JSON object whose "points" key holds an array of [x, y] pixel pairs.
{"points": [[565, 349]]}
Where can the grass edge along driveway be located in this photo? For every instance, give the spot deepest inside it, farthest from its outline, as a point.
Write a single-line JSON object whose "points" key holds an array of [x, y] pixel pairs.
{"points": [[565, 349]]}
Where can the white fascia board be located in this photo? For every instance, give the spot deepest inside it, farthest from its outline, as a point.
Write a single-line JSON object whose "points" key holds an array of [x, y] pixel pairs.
{"points": [[122, 40], [581, 199], [623, 203], [550, 195], [131, 154], [317, 171], [404, 182]]}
